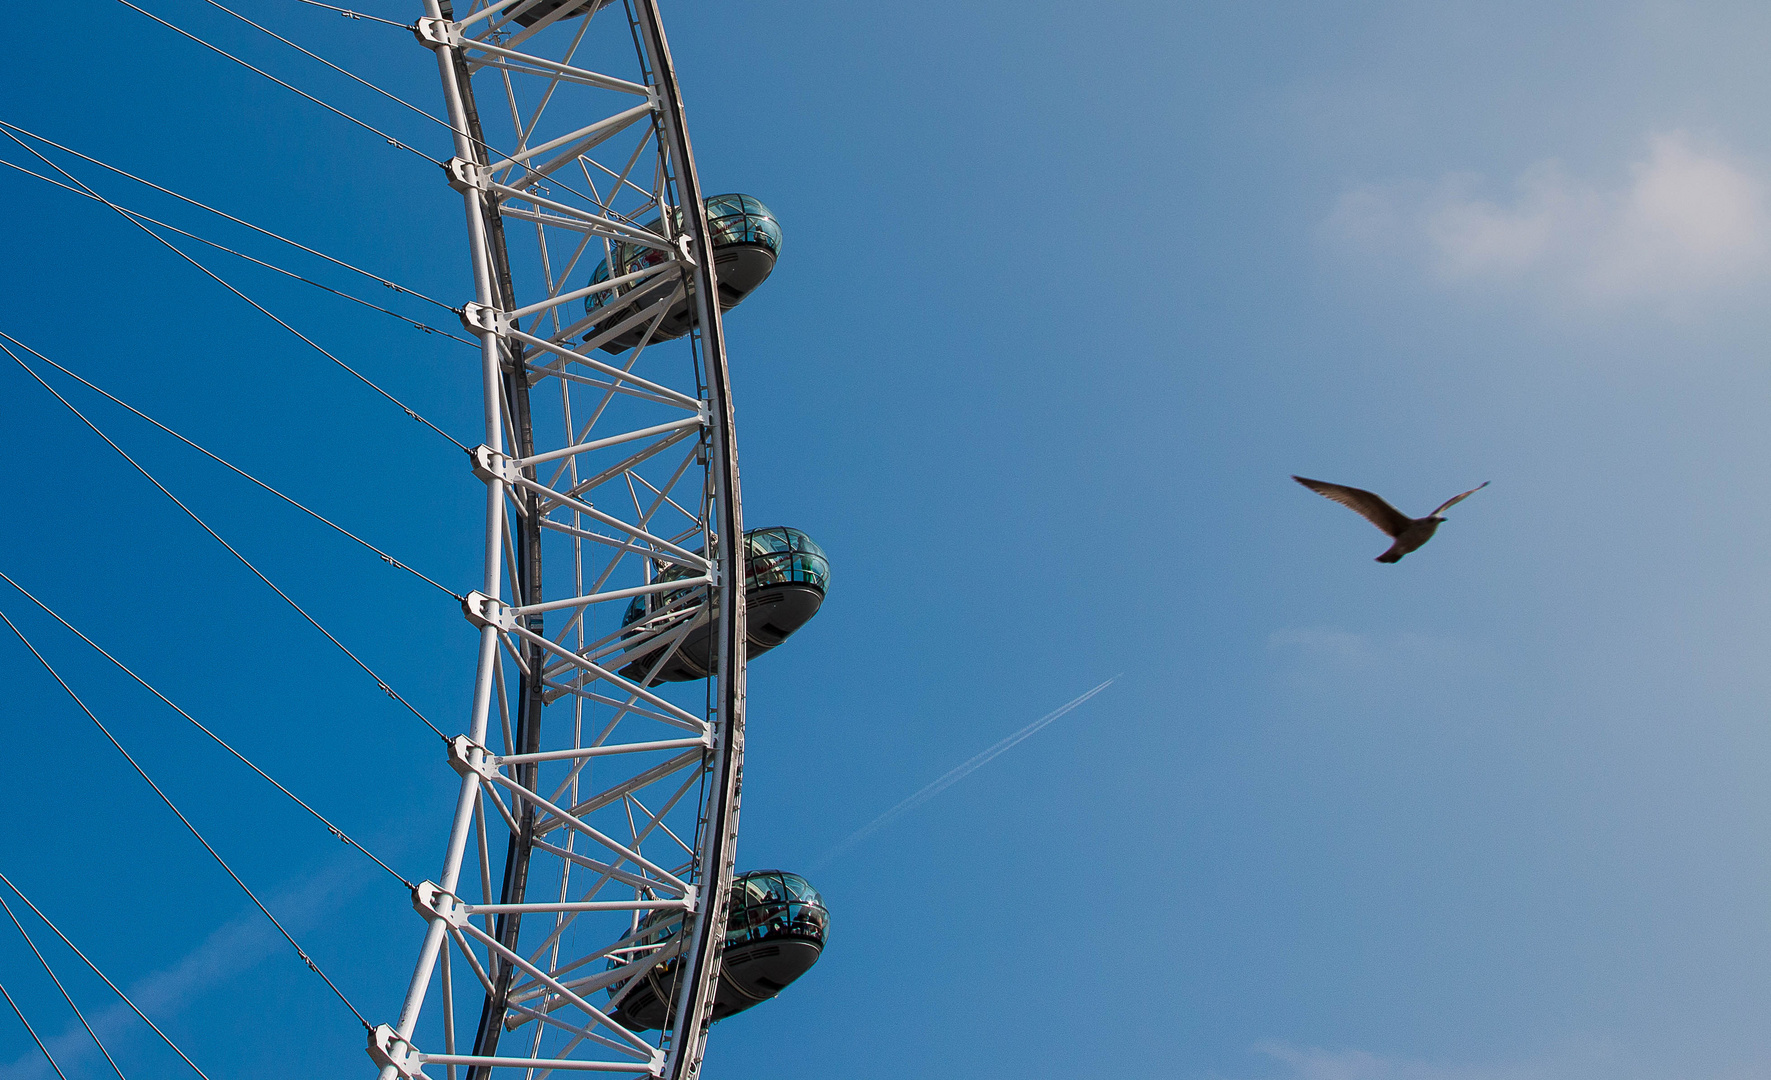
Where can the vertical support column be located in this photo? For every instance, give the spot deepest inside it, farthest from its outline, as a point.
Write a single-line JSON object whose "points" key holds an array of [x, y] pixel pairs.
{"points": [[435, 938], [695, 995], [526, 538]]}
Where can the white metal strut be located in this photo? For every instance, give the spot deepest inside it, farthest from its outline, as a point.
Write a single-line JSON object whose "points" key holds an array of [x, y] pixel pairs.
{"points": [[611, 474]]}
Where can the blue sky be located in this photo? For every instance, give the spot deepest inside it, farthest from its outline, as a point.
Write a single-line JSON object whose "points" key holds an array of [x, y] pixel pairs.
{"points": [[1066, 292]]}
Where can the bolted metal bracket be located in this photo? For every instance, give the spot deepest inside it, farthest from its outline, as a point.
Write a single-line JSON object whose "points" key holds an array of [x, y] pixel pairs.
{"points": [[430, 901], [436, 33], [387, 1049], [480, 318], [465, 175], [489, 465], [461, 750], [483, 611]]}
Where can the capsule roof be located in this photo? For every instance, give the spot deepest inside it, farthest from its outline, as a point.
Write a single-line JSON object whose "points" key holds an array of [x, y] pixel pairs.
{"points": [[780, 554], [773, 555], [764, 904], [742, 219], [772, 904], [732, 219]]}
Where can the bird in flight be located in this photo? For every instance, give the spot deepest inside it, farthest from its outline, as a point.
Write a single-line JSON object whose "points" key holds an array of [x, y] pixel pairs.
{"points": [[1409, 533]]}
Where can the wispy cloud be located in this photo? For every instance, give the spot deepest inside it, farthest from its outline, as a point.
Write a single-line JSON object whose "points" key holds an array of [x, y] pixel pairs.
{"points": [[1318, 659], [1577, 1059], [1314, 1063], [237, 946], [1683, 220], [1328, 643], [1331, 646]]}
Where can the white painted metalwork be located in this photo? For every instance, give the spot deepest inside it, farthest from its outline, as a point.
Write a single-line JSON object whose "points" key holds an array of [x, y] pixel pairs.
{"points": [[609, 476]]}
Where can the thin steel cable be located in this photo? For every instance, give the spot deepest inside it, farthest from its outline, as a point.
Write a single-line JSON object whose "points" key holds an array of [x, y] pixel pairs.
{"points": [[223, 213], [67, 997], [95, 970], [385, 557], [219, 741], [330, 108], [492, 152], [299, 951], [487, 147], [426, 327], [20, 1013], [379, 681], [187, 257], [351, 75], [347, 74], [349, 14]]}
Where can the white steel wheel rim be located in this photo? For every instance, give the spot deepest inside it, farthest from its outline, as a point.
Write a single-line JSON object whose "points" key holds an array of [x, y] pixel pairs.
{"points": [[614, 799]]}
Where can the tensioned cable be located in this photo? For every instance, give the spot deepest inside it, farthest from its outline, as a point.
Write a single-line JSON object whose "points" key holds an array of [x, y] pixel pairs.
{"points": [[20, 1013], [219, 741], [379, 681], [95, 970], [299, 951], [330, 108], [67, 997], [492, 152], [385, 557], [347, 74], [426, 327], [187, 257], [390, 139], [349, 14], [223, 213]]}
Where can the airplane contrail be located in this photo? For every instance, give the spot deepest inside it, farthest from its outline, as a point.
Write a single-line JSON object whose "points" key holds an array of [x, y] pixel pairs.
{"points": [[954, 776]]}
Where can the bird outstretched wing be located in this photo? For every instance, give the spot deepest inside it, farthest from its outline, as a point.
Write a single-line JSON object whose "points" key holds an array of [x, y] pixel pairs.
{"points": [[1455, 499], [1370, 507]]}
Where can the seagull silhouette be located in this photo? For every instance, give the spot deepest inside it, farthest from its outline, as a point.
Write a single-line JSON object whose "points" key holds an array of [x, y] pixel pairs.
{"points": [[1409, 533]]}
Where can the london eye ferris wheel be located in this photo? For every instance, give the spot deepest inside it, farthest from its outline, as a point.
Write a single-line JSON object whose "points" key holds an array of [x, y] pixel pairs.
{"points": [[622, 594], [588, 913]]}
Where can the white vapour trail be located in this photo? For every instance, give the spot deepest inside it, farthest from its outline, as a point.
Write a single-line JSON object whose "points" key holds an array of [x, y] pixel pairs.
{"points": [[971, 765]]}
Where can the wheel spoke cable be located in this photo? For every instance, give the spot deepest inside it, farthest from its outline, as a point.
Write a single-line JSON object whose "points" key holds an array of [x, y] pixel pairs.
{"points": [[141, 217], [330, 108], [299, 951], [186, 256], [492, 152], [349, 14], [75, 949], [223, 213], [347, 74], [219, 741], [20, 1013], [67, 997], [218, 459], [194, 516]]}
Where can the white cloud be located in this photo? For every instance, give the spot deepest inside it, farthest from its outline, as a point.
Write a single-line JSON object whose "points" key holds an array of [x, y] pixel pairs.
{"points": [[1327, 643], [1345, 650], [1317, 660], [1318, 1064], [235, 947], [1686, 221], [1582, 1059]]}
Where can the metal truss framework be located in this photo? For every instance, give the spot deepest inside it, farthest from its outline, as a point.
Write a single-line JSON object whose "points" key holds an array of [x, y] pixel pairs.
{"points": [[610, 474]]}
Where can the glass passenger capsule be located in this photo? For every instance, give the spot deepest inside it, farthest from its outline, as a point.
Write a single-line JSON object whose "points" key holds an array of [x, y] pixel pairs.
{"points": [[785, 577], [746, 241], [774, 934]]}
